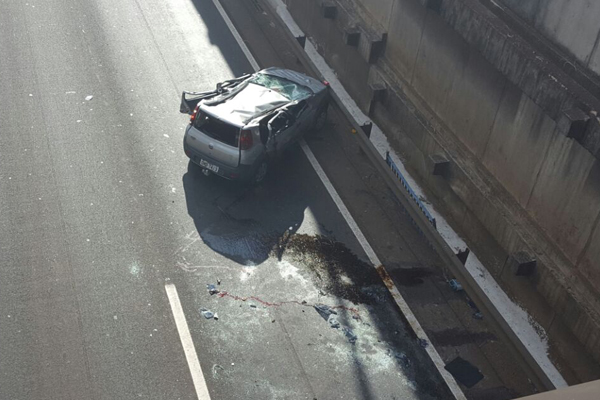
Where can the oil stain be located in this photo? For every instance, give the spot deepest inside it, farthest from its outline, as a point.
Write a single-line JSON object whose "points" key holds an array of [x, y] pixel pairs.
{"points": [[334, 268], [459, 337], [410, 276]]}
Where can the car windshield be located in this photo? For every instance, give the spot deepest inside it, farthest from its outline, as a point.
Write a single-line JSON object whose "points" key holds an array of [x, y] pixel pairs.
{"points": [[292, 91]]}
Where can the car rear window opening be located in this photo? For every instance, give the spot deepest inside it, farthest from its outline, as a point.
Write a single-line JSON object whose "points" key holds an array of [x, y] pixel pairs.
{"points": [[217, 129]]}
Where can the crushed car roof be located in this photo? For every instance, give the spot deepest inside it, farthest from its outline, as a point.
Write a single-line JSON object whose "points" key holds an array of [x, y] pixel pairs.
{"points": [[249, 102], [259, 95]]}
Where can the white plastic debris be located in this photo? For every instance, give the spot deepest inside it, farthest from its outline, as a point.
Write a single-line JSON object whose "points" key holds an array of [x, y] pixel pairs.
{"points": [[88, 98], [207, 313]]}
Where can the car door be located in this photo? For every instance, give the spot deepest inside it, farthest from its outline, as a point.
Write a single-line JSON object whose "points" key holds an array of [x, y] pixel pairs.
{"points": [[301, 112], [281, 132]]}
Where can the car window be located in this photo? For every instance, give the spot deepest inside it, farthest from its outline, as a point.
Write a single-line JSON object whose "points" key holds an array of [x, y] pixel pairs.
{"points": [[217, 129], [280, 122], [297, 109], [289, 89]]}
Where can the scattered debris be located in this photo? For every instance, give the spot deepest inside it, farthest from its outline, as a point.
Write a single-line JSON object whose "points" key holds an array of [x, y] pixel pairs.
{"points": [[212, 289], [423, 343], [253, 305], [472, 305], [464, 372], [333, 322], [218, 281], [216, 316], [324, 311], [207, 313], [455, 285], [478, 315], [349, 334], [88, 98], [399, 356], [216, 370]]}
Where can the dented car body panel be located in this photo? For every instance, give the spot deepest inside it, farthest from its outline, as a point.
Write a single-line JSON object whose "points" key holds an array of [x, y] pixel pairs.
{"points": [[245, 122]]}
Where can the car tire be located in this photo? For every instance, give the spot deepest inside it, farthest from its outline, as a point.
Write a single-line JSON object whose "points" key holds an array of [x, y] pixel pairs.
{"points": [[320, 120], [261, 173]]}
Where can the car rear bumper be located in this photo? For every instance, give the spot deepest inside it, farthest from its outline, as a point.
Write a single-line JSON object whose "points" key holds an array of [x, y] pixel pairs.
{"points": [[239, 173]]}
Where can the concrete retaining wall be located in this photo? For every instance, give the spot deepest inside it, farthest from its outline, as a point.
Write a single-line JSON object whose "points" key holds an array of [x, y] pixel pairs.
{"points": [[461, 84], [571, 24]]}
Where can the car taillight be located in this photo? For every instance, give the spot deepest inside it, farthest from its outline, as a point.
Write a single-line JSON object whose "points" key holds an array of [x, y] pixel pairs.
{"points": [[193, 116], [245, 139]]}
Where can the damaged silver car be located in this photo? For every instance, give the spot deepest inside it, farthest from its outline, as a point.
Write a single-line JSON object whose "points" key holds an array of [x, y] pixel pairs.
{"points": [[236, 130]]}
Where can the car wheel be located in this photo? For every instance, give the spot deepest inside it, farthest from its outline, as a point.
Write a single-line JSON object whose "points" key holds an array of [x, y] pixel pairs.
{"points": [[261, 173], [320, 120]]}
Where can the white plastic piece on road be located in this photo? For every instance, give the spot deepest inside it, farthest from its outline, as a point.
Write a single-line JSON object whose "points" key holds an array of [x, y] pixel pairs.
{"points": [[187, 343], [404, 308], [517, 318]]}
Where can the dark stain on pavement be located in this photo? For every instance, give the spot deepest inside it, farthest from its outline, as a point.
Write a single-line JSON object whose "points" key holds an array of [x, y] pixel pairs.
{"points": [[410, 276], [459, 337], [335, 269]]}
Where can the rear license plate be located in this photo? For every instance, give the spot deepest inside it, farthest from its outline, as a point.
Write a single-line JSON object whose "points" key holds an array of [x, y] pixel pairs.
{"points": [[209, 166]]}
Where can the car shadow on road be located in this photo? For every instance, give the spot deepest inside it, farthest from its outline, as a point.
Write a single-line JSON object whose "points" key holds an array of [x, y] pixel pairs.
{"points": [[240, 222]]}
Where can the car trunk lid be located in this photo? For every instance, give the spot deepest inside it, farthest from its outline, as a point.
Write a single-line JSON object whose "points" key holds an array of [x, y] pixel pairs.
{"points": [[217, 139]]}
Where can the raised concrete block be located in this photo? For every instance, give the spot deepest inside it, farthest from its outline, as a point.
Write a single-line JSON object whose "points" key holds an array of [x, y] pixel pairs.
{"points": [[371, 46], [462, 255], [328, 10], [302, 40], [521, 263], [352, 36], [378, 91], [367, 127], [573, 123], [439, 165]]}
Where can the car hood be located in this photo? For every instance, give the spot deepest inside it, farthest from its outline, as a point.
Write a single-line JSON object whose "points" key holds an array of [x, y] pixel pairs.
{"points": [[248, 103]]}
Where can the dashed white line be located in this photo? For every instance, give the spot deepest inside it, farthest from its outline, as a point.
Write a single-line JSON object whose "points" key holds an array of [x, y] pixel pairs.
{"points": [[187, 343]]}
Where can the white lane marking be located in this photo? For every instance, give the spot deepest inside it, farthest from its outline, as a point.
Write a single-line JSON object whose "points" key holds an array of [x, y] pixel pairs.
{"points": [[187, 343], [340, 204], [236, 35], [400, 302]]}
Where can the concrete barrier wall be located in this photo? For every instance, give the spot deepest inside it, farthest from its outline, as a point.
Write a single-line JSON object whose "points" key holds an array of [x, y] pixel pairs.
{"points": [[452, 75], [571, 24], [566, 199]]}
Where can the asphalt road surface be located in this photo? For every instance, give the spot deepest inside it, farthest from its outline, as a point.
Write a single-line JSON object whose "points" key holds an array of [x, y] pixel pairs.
{"points": [[100, 210]]}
